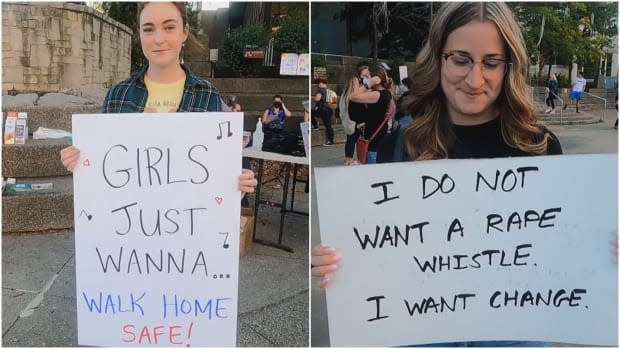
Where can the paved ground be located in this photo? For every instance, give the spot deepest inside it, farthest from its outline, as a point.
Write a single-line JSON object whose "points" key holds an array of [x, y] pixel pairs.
{"points": [[575, 139], [38, 286]]}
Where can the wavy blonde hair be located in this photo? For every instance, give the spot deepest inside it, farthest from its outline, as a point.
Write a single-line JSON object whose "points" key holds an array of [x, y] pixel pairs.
{"points": [[352, 85], [430, 134]]}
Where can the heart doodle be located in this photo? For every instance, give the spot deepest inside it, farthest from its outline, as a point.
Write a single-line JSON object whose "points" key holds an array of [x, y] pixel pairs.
{"points": [[218, 200], [86, 162]]}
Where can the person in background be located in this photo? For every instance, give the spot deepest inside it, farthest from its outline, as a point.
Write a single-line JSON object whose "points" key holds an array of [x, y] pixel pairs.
{"points": [[576, 93], [322, 111], [164, 84], [348, 107], [376, 95], [552, 93], [275, 116]]}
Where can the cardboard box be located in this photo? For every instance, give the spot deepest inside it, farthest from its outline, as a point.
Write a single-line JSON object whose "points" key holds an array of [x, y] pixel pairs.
{"points": [[245, 237], [9, 127]]}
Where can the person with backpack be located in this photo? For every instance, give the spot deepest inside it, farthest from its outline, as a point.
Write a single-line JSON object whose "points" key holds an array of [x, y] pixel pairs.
{"points": [[323, 110]]}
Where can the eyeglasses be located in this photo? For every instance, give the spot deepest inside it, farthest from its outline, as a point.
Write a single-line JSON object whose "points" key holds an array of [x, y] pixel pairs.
{"points": [[460, 65]]}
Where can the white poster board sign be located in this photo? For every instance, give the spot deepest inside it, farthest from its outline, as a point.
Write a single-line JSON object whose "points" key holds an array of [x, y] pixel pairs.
{"points": [[288, 63], [469, 250], [305, 134], [303, 64], [402, 72], [157, 215]]}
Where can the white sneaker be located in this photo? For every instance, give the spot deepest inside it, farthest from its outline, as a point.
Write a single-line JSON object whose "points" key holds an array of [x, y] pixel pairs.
{"points": [[547, 110], [552, 111]]}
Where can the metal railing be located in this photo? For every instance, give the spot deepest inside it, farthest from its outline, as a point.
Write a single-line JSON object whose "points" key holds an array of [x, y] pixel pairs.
{"points": [[604, 101]]}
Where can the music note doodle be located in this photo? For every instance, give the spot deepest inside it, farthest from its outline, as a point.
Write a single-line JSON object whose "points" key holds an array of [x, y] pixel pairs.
{"points": [[88, 216], [226, 244], [229, 132]]}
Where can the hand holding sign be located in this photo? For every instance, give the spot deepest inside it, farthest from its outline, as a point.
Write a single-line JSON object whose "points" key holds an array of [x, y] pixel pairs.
{"points": [[69, 157], [323, 261], [170, 278]]}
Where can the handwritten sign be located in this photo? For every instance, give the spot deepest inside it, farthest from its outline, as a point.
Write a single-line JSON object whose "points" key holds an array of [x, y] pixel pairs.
{"points": [[157, 210], [303, 64], [402, 72], [288, 63], [305, 134], [295, 64], [467, 250]]}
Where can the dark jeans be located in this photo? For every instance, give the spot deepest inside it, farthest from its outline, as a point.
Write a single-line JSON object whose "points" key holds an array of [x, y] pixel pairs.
{"points": [[549, 101], [326, 117], [349, 146]]}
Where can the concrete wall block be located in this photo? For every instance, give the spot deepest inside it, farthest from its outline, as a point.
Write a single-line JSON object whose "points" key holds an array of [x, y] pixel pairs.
{"points": [[54, 29], [13, 75], [40, 55], [31, 79], [15, 37]]}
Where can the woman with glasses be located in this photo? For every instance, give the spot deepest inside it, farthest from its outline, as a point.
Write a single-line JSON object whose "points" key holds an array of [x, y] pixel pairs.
{"points": [[469, 100]]}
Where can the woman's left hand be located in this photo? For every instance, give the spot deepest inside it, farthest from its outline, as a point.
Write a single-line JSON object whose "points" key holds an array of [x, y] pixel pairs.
{"points": [[247, 182]]}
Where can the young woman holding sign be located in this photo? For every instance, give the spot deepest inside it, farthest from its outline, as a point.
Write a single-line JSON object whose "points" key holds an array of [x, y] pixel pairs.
{"points": [[165, 84], [470, 99]]}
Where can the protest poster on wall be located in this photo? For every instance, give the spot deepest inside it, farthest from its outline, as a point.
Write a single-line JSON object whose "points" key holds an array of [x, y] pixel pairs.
{"points": [[303, 64], [157, 213], [305, 134], [469, 250], [288, 63]]}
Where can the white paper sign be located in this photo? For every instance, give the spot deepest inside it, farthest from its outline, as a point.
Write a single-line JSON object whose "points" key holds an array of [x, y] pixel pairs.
{"points": [[288, 63], [303, 64], [305, 134], [157, 214], [402, 72], [472, 250]]}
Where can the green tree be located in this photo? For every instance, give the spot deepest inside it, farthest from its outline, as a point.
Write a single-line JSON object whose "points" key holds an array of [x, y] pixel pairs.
{"points": [[292, 35], [560, 33], [237, 40], [127, 14]]}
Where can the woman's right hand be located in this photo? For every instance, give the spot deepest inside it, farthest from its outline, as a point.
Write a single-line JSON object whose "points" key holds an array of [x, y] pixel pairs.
{"points": [[323, 262], [69, 157]]}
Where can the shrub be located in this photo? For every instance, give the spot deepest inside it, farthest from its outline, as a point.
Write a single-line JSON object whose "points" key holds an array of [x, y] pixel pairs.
{"points": [[236, 42]]}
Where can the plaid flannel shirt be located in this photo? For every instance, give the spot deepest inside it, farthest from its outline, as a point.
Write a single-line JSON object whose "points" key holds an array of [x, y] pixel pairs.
{"points": [[130, 96]]}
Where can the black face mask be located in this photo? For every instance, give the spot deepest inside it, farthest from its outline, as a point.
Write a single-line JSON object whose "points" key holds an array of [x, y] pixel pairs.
{"points": [[277, 104]]}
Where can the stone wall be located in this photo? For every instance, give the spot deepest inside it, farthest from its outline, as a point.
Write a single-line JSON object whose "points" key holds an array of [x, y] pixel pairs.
{"points": [[50, 46]]}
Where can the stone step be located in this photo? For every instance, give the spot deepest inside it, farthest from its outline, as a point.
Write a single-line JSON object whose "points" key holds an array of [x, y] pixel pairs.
{"points": [[39, 210], [282, 86], [36, 158], [319, 137], [263, 101], [52, 117]]}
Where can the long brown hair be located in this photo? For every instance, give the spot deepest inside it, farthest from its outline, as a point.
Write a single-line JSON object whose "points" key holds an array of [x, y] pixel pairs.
{"points": [[178, 4], [430, 134]]}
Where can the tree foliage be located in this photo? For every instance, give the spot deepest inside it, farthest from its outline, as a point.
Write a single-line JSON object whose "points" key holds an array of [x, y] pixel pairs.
{"points": [[236, 41], [394, 28], [292, 35], [569, 34]]}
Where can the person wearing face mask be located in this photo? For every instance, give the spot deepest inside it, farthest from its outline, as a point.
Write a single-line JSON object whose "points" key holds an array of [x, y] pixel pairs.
{"points": [[376, 95], [274, 117], [363, 74]]}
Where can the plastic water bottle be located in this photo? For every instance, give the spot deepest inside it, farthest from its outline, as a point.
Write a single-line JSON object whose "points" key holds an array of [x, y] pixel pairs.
{"points": [[257, 142]]}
